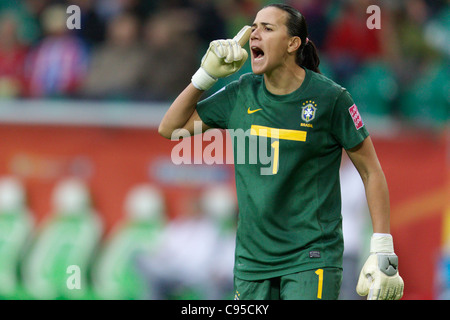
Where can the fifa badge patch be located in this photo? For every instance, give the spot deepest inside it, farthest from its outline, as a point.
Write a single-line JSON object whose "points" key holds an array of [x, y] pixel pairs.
{"points": [[357, 120], [309, 110]]}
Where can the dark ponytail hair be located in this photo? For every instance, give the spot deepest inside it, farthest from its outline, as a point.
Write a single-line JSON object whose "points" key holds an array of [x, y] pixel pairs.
{"points": [[296, 24]]}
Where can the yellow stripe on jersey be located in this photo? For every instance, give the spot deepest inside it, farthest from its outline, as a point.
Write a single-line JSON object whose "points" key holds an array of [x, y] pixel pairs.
{"points": [[284, 134]]}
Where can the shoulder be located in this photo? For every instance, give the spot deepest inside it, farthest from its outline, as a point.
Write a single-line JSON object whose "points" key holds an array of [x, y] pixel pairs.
{"points": [[246, 82], [325, 85]]}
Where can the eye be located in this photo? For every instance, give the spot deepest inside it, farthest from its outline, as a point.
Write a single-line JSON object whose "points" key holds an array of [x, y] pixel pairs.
{"points": [[267, 28]]}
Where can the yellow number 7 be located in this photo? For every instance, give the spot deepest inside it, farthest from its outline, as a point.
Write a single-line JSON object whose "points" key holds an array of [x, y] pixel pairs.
{"points": [[319, 272]]}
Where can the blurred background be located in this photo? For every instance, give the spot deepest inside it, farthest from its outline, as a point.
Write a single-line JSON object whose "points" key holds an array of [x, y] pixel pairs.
{"points": [[91, 205]]}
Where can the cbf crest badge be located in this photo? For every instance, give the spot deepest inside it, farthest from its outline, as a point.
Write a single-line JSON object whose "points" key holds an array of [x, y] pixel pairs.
{"points": [[309, 110]]}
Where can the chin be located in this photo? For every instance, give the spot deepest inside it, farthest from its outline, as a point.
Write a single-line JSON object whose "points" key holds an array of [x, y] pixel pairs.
{"points": [[258, 69]]}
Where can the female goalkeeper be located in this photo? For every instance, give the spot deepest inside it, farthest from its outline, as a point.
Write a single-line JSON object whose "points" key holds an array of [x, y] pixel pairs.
{"points": [[289, 241]]}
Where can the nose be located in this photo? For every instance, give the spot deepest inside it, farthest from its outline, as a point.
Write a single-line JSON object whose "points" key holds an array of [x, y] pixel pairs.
{"points": [[255, 34]]}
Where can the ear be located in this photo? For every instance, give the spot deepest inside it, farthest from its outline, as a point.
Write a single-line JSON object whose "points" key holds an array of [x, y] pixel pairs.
{"points": [[294, 44]]}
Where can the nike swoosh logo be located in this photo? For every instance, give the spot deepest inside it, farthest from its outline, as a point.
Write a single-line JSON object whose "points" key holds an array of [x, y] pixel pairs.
{"points": [[253, 111]]}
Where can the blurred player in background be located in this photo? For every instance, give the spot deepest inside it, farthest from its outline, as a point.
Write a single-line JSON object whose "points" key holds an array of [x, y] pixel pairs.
{"points": [[16, 229], [194, 258], [115, 274], [68, 238], [289, 240]]}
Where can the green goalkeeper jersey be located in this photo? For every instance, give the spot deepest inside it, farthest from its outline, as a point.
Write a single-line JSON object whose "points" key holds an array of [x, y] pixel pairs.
{"points": [[286, 171]]}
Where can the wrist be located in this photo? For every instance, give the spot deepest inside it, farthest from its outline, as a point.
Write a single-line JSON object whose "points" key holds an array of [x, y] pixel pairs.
{"points": [[381, 243], [202, 80]]}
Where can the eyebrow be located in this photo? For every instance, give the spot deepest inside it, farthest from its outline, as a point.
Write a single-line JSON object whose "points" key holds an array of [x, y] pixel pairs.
{"points": [[264, 24]]}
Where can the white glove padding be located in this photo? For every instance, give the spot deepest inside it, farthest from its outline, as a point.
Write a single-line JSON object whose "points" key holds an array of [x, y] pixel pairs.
{"points": [[379, 278], [223, 58]]}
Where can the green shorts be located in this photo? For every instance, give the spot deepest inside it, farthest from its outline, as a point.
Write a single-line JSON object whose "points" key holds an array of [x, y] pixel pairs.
{"points": [[314, 284]]}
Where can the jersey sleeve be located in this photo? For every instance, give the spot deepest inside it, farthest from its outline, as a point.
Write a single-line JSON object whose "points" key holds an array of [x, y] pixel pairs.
{"points": [[215, 110], [347, 125]]}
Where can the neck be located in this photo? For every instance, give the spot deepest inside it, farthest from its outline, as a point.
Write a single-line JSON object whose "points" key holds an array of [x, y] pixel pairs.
{"points": [[285, 79]]}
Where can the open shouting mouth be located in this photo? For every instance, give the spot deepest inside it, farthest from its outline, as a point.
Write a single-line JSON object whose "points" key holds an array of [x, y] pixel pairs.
{"points": [[257, 53]]}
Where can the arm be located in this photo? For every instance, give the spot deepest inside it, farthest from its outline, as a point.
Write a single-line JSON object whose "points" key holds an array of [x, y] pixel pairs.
{"points": [[182, 113], [379, 277], [366, 162], [223, 57]]}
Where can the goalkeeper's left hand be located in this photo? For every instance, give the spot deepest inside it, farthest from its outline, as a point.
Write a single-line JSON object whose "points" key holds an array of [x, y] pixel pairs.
{"points": [[379, 278]]}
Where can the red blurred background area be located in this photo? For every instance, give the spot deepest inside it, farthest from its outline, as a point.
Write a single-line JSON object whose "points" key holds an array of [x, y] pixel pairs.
{"points": [[416, 167], [111, 160]]}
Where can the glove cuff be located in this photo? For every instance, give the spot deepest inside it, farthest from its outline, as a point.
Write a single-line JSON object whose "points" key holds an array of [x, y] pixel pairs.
{"points": [[202, 80], [381, 243]]}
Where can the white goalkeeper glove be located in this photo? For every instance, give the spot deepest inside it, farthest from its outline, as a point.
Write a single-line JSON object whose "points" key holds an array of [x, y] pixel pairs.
{"points": [[223, 58], [379, 278]]}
